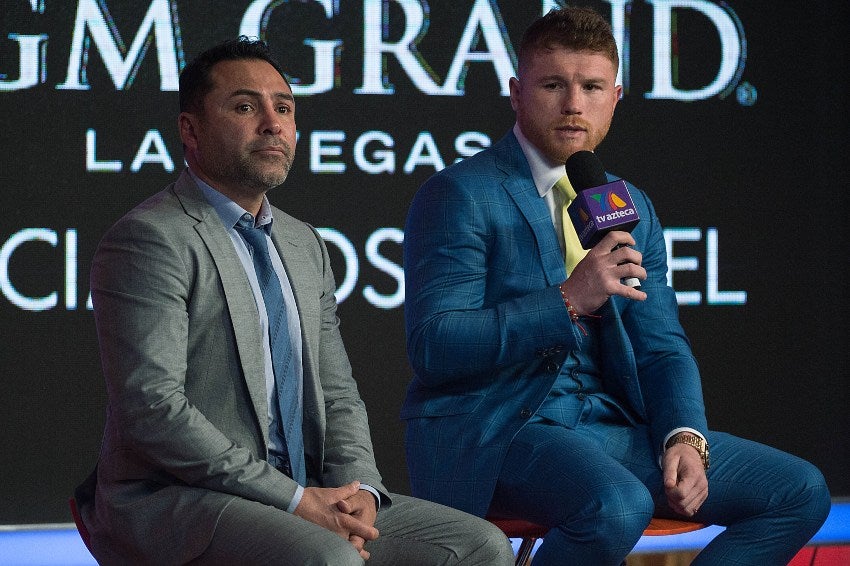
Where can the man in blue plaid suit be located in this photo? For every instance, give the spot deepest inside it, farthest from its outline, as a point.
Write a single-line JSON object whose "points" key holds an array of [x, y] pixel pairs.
{"points": [[573, 401]]}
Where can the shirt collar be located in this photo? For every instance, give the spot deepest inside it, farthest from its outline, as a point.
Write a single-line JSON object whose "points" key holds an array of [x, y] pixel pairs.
{"points": [[230, 212], [544, 171]]}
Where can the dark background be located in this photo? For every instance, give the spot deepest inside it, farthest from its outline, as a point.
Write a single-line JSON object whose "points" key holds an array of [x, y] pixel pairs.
{"points": [[770, 175]]}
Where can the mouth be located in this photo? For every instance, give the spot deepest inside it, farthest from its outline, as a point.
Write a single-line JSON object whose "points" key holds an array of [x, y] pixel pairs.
{"points": [[572, 127], [273, 150]]}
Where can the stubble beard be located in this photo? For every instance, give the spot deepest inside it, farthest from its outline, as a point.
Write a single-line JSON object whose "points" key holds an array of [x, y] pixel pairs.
{"points": [[252, 172], [594, 139]]}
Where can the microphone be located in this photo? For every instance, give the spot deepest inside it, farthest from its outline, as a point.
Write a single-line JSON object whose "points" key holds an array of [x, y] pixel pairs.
{"points": [[599, 207]]}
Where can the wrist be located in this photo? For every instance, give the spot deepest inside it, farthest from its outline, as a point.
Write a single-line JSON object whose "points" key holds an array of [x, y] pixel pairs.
{"points": [[571, 310], [695, 441]]}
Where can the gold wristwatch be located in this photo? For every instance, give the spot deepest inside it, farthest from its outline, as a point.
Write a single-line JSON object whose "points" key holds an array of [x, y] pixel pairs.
{"points": [[691, 440]]}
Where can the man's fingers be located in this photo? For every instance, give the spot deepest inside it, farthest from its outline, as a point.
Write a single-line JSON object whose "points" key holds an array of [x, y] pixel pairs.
{"points": [[360, 529], [349, 489]]}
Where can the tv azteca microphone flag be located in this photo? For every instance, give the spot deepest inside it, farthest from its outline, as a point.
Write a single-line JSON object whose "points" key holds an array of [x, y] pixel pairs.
{"points": [[599, 210]]}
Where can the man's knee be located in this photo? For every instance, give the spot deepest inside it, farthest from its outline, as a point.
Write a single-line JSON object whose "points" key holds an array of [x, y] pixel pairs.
{"points": [[338, 556], [623, 511], [810, 494], [488, 545]]}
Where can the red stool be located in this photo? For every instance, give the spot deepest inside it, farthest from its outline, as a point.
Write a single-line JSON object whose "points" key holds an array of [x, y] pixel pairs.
{"points": [[81, 527], [530, 532]]}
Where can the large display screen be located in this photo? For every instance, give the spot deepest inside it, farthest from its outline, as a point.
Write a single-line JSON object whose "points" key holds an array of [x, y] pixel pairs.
{"points": [[733, 120]]}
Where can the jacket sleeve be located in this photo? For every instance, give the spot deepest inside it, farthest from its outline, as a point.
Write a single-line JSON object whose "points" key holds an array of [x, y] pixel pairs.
{"points": [[667, 370], [347, 450], [476, 297]]}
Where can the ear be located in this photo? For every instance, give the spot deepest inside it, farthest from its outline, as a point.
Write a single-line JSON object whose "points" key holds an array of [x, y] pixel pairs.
{"points": [[187, 125], [515, 89]]}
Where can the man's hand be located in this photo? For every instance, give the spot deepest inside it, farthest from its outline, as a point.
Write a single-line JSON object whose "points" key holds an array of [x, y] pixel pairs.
{"points": [[597, 276], [363, 506], [684, 479], [324, 507]]}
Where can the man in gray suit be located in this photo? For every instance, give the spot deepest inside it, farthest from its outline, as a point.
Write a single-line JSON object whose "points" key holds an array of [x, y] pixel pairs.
{"points": [[195, 466]]}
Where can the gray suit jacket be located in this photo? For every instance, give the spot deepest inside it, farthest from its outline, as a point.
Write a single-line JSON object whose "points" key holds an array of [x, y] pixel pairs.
{"points": [[186, 425]]}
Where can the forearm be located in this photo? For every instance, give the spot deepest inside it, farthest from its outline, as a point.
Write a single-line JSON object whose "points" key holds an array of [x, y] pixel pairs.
{"points": [[348, 452], [668, 372]]}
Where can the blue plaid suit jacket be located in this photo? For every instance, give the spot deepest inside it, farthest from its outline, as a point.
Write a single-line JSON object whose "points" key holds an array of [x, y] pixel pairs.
{"points": [[487, 330]]}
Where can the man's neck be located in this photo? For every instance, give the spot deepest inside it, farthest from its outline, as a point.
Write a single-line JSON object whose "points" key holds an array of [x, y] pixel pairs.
{"points": [[247, 199]]}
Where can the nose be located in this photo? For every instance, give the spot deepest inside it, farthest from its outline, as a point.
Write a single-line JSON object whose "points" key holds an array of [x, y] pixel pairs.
{"points": [[271, 121], [570, 104]]}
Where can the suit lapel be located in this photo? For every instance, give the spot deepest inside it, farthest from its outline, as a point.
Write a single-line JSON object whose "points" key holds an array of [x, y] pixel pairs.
{"points": [[237, 292], [519, 184]]}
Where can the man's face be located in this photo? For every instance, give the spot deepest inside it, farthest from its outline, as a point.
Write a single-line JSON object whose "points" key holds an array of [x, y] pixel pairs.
{"points": [[564, 100], [242, 142]]}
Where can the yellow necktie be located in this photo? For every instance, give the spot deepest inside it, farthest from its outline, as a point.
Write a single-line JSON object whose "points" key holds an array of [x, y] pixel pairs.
{"points": [[573, 250]]}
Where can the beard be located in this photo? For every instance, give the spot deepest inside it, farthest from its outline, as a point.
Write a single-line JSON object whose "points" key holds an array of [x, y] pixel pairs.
{"points": [[544, 135], [255, 173], [263, 172], [593, 137]]}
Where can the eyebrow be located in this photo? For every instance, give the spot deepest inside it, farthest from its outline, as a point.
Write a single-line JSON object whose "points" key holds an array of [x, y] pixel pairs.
{"points": [[581, 79], [257, 94]]}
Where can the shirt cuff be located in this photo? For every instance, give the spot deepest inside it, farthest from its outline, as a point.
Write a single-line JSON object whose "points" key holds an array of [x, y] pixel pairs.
{"points": [[374, 492], [299, 493], [673, 433], [296, 499]]}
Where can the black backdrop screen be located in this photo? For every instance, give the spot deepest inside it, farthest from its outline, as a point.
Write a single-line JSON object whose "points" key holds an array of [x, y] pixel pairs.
{"points": [[733, 120]]}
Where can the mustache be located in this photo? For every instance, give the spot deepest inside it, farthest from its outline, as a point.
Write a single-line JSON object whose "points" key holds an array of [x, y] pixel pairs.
{"points": [[574, 122]]}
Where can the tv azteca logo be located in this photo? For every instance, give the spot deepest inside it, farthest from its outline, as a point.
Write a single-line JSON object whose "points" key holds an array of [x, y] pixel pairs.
{"points": [[612, 207]]}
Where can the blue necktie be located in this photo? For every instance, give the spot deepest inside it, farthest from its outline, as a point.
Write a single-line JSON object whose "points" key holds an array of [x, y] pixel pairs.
{"points": [[288, 387]]}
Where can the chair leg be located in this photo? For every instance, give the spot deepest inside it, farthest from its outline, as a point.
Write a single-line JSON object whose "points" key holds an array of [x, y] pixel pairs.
{"points": [[523, 555]]}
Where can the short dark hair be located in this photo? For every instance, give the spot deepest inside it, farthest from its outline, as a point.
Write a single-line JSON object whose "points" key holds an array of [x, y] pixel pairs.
{"points": [[195, 82], [580, 29]]}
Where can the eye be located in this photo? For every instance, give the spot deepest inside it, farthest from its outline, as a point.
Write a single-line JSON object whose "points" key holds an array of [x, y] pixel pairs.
{"points": [[244, 108]]}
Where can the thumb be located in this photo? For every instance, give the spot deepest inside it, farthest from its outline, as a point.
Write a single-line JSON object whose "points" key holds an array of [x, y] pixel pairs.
{"points": [[670, 471]]}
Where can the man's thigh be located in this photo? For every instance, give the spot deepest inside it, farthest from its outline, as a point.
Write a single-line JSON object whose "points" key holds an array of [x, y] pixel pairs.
{"points": [[249, 532], [414, 531], [555, 475], [747, 478]]}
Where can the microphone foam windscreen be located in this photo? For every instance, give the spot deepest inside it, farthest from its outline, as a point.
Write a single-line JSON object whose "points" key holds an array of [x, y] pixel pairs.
{"points": [[585, 171]]}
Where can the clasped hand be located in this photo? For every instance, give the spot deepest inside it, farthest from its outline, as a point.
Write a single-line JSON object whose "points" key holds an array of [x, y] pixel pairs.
{"points": [[347, 510], [598, 275], [685, 482]]}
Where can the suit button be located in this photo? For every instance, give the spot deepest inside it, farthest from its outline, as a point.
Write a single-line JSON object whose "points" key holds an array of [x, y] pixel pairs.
{"points": [[552, 367], [525, 413]]}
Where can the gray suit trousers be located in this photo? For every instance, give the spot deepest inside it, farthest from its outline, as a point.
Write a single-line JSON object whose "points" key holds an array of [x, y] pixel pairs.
{"points": [[412, 531]]}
